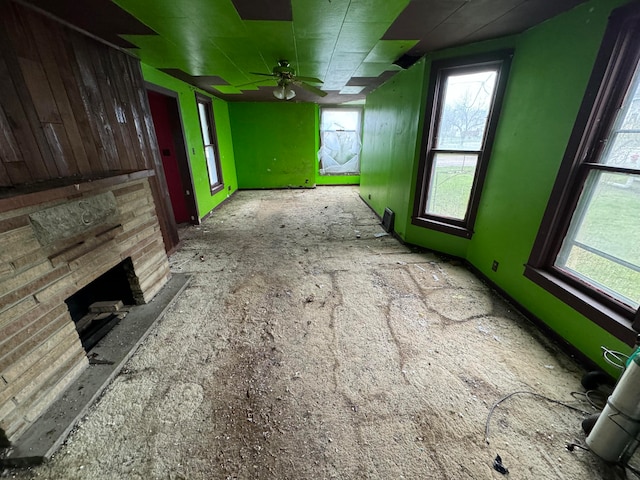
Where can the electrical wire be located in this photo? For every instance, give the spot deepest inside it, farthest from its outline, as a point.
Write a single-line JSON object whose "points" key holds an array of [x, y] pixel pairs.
{"points": [[524, 392], [633, 470], [572, 446], [598, 402], [616, 359]]}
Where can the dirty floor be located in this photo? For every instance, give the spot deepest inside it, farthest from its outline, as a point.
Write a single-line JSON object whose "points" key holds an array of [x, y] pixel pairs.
{"points": [[308, 346]]}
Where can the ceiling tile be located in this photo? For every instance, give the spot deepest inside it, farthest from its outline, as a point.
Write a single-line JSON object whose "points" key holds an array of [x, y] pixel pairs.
{"points": [[264, 9], [102, 18], [360, 37], [351, 90], [521, 18], [343, 42], [419, 18], [309, 69], [230, 90], [247, 59], [203, 82], [388, 51], [318, 18], [375, 10], [316, 50], [157, 51], [274, 40], [370, 69]]}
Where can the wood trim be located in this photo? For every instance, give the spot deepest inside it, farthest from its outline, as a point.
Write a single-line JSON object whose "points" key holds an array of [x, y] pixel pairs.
{"points": [[612, 72], [71, 188], [598, 312], [200, 98], [597, 102], [181, 150], [462, 228]]}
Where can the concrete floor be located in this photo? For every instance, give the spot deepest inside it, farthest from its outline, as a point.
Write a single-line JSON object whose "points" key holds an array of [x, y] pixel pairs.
{"points": [[307, 347]]}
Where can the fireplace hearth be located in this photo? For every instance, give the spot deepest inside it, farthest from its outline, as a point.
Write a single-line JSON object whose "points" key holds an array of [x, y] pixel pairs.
{"points": [[64, 249]]}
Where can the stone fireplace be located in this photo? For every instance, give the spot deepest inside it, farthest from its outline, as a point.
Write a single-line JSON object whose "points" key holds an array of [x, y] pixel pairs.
{"points": [[54, 243]]}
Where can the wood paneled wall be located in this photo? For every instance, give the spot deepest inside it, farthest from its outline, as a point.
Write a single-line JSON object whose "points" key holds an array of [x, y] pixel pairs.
{"points": [[70, 106]]}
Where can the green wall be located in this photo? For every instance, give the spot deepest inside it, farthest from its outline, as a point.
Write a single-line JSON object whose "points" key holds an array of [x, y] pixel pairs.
{"points": [[551, 66], [193, 138], [541, 104], [275, 144]]}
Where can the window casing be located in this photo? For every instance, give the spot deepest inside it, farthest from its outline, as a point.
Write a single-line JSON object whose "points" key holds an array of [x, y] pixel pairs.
{"points": [[340, 141], [587, 251], [210, 143], [463, 105]]}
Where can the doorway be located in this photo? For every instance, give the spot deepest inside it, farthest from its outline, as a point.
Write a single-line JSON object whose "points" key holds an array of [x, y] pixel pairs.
{"points": [[171, 144]]}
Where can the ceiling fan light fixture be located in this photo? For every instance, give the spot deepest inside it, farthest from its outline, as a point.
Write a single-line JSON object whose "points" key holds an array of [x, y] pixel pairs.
{"points": [[284, 92]]}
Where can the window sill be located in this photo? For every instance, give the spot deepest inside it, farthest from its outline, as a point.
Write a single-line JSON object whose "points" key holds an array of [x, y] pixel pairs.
{"points": [[442, 226], [614, 322], [217, 188]]}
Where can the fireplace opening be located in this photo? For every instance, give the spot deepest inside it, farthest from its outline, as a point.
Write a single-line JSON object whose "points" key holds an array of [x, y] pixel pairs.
{"points": [[99, 306]]}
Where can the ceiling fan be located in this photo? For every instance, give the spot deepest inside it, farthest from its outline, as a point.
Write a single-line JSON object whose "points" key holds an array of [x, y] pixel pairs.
{"points": [[286, 77]]}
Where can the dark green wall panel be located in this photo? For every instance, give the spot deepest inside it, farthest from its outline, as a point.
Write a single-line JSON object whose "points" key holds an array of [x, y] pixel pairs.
{"points": [[274, 144], [391, 126]]}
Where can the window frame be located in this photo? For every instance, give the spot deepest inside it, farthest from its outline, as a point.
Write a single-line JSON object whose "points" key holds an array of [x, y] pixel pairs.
{"points": [[208, 107], [440, 70], [354, 108], [610, 79]]}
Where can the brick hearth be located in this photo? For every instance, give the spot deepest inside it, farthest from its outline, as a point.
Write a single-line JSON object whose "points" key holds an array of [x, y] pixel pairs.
{"points": [[42, 262]]}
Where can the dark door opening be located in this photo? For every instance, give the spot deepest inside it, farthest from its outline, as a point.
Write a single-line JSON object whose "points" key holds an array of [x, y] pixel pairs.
{"points": [[171, 144]]}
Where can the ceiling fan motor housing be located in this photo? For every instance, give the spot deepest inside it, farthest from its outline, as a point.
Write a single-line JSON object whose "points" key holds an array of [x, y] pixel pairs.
{"points": [[284, 70]]}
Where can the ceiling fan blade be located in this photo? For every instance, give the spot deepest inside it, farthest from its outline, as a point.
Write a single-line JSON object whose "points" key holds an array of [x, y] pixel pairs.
{"points": [[311, 88], [309, 79], [264, 74]]}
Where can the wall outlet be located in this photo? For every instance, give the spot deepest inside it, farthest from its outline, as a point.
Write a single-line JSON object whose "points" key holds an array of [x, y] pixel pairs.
{"points": [[494, 266]]}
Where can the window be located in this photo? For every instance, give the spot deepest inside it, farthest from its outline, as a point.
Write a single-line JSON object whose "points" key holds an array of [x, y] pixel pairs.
{"points": [[340, 141], [463, 104], [586, 251], [207, 126]]}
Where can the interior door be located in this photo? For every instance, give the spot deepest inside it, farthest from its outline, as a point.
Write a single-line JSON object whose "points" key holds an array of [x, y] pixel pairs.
{"points": [[166, 121]]}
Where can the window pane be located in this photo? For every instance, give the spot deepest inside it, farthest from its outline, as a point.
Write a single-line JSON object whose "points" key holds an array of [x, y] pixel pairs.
{"points": [[211, 165], [602, 244], [465, 109], [623, 151], [452, 177], [339, 119], [340, 143], [204, 124], [623, 147]]}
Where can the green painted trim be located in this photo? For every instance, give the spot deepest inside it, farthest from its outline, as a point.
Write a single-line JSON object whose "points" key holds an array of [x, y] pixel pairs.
{"points": [[337, 179]]}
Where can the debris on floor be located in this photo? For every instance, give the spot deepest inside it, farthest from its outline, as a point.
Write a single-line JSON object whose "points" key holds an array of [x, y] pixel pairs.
{"points": [[388, 370]]}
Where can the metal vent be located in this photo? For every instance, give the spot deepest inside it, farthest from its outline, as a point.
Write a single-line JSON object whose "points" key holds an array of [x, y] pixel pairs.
{"points": [[388, 219]]}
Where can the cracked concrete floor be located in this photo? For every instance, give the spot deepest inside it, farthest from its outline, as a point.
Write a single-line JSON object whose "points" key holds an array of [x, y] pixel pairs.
{"points": [[300, 351]]}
